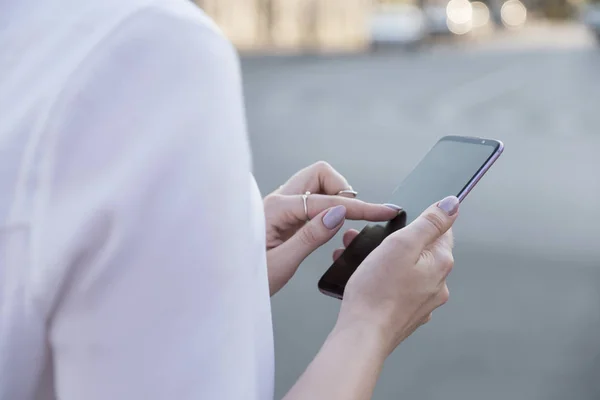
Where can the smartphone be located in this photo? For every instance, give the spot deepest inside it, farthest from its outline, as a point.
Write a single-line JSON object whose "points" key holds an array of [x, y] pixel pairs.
{"points": [[453, 166]]}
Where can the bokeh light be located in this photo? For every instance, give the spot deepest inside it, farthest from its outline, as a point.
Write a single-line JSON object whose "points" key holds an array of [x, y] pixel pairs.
{"points": [[481, 14], [513, 13], [460, 16]]}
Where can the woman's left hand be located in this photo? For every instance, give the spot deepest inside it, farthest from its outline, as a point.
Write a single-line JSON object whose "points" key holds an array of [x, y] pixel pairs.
{"points": [[293, 233]]}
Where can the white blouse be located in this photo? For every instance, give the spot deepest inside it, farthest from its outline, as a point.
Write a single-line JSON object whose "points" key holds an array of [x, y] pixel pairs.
{"points": [[132, 238]]}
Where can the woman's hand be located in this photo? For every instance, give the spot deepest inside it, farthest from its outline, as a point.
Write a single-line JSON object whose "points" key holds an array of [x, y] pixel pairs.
{"points": [[397, 287], [391, 294], [291, 238]]}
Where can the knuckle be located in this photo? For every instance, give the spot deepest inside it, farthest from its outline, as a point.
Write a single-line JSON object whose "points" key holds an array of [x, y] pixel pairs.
{"points": [[436, 222], [427, 319], [308, 236], [444, 295], [271, 200], [323, 166], [446, 263]]}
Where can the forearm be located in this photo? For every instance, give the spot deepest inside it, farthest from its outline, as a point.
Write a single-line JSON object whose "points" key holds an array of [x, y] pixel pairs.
{"points": [[346, 368]]}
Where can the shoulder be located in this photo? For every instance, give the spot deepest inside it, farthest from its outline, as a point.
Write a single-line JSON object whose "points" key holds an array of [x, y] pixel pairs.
{"points": [[169, 28], [165, 56], [180, 18], [163, 84], [94, 30]]}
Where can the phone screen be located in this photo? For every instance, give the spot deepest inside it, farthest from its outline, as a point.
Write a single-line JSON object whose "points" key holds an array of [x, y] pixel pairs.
{"points": [[451, 168], [446, 170]]}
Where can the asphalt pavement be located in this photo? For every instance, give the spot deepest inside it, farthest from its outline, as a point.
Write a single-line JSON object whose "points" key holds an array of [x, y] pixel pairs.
{"points": [[523, 321]]}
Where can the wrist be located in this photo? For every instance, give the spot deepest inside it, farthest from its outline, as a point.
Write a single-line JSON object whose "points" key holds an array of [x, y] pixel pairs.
{"points": [[347, 366], [362, 338]]}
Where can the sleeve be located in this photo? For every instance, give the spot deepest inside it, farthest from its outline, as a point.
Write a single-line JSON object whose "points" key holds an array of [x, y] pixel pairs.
{"points": [[143, 216]]}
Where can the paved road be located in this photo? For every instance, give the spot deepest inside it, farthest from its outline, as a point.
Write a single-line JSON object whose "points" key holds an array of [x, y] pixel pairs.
{"points": [[524, 317]]}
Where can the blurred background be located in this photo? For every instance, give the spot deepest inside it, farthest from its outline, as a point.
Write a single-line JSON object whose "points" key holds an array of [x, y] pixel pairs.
{"points": [[369, 87]]}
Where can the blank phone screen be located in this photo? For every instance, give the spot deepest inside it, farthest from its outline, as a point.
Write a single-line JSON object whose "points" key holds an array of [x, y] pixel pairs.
{"points": [[447, 170]]}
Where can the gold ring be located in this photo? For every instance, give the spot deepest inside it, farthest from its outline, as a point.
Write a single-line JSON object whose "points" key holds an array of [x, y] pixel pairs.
{"points": [[304, 201]]}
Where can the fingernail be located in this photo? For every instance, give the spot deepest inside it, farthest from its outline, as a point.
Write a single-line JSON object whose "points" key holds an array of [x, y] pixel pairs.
{"points": [[334, 217], [449, 205], [393, 207]]}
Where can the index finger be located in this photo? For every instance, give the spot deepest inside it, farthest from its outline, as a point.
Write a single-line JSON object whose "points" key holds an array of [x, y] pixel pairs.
{"points": [[355, 209]]}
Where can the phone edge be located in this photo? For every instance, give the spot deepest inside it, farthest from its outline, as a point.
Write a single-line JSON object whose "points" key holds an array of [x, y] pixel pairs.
{"points": [[330, 294], [486, 167]]}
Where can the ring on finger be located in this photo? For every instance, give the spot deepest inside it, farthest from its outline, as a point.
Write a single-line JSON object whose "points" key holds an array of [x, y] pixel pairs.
{"points": [[305, 203], [351, 192]]}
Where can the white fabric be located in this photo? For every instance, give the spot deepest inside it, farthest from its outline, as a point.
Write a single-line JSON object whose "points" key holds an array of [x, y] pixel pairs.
{"points": [[132, 238]]}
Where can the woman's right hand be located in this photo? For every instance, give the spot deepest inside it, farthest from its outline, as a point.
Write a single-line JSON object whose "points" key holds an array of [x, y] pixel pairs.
{"points": [[396, 288]]}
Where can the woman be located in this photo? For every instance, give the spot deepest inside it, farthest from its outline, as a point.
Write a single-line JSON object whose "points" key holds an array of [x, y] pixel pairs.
{"points": [[133, 235]]}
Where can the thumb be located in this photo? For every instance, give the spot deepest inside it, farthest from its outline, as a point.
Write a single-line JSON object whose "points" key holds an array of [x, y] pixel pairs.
{"points": [[434, 222], [311, 236]]}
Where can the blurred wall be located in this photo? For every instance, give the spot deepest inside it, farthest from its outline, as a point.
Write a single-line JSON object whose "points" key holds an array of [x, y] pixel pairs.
{"points": [[292, 25]]}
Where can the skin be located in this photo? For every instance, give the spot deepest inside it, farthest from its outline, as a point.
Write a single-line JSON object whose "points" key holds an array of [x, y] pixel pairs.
{"points": [[391, 294], [290, 239]]}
